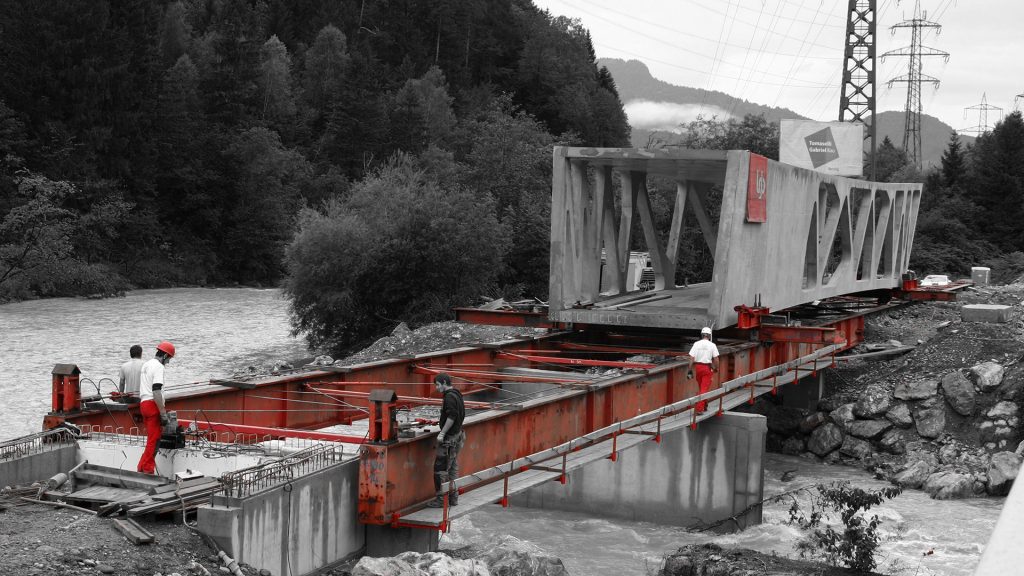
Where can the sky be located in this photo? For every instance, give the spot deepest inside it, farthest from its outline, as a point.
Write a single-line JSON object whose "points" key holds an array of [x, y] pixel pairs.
{"points": [[789, 53]]}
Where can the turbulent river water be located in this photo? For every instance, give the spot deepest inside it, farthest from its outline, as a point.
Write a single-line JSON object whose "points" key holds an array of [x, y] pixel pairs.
{"points": [[219, 330]]}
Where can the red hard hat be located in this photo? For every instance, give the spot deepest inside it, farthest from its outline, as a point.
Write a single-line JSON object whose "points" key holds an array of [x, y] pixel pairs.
{"points": [[166, 347]]}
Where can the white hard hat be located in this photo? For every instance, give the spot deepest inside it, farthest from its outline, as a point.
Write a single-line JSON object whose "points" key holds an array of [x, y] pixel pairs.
{"points": [[705, 330]]}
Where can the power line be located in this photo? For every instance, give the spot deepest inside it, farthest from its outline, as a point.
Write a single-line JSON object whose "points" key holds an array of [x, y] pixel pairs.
{"points": [[708, 8], [983, 109], [914, 78]]}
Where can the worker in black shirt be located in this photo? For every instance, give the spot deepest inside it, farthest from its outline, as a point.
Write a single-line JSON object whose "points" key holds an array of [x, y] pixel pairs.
{"points": [[449, 440]]}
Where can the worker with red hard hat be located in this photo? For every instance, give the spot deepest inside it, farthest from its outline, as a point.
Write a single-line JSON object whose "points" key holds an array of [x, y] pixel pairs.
{"points": [[152, 404]]}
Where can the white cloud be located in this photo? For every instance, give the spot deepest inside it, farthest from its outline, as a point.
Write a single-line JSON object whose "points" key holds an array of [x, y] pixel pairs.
{"points": [[648, 115]]}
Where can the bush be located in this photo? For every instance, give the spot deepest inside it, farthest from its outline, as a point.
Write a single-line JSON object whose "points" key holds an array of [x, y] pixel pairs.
{"points": [[855, 545], [401, 247]]}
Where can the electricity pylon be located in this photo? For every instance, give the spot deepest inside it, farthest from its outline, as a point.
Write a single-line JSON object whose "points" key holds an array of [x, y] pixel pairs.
{"points": [[983, 110], [914, 78], [857, 99]]}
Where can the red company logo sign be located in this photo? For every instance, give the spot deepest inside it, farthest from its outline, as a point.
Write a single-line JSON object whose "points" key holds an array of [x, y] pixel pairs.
{"points": [[757, 189]]}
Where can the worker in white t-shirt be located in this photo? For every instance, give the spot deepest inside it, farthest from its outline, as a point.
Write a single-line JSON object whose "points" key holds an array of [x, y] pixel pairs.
{"points": [[705, 359], [154, 416], [130, 374]]}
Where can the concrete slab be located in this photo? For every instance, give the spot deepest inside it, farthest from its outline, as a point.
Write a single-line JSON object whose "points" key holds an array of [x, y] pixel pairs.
{"points": [[990, 313]]}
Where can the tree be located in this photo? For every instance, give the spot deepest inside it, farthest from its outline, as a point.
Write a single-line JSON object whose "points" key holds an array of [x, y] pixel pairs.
{"points": [[401, 246], [267, 180], [36, 233], [889, 161], [998, 182], [953, 163], [275, 84]]}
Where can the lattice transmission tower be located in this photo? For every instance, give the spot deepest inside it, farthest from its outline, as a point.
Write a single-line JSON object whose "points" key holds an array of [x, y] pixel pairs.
{"points": [[857, 100], [1016, 101], [983, 109], [914, 78]]}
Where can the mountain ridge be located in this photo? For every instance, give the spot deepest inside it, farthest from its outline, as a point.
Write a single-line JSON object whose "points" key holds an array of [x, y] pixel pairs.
{"points": [[657, 108]]}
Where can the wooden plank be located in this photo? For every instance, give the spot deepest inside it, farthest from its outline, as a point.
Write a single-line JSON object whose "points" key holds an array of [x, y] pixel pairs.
{"points": [[183, 484], [135, 533], [187, 492], [116, 477], [107, 494]]}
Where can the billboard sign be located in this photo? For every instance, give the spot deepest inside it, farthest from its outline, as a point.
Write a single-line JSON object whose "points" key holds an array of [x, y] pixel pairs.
{"points": [[829, 147]]}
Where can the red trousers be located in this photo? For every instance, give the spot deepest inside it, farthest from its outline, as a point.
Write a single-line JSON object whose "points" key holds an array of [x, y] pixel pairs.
{"points": [[704, 381], [151, 420]]}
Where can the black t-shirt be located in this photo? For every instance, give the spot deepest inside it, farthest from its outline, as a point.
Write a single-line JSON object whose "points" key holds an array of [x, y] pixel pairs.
{"points": [[454, 408]]}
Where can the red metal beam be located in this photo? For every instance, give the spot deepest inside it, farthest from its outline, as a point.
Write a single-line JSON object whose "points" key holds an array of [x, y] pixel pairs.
{"points": [[276, 433], [504, 318], [412, 400], [805, 334], [536, 358]]}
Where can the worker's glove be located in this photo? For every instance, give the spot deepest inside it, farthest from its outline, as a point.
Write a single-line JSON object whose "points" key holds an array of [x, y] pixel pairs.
{"points": [[440, 438], [163, 420]]}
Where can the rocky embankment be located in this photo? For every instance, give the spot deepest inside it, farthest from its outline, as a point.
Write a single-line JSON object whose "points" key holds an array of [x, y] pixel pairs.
{"points": [[945, 418]]}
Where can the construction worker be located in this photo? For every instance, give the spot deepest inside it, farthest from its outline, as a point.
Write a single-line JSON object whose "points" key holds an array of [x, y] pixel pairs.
{"points": [[154, 416], [705, 359], [131, 373], [449, 440]]}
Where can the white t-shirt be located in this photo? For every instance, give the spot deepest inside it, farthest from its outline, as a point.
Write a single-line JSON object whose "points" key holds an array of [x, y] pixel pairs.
{"points": [[152, 374], [131, 374], [703, 351]]}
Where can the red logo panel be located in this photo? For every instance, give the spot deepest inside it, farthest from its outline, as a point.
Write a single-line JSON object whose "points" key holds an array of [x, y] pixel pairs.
{"points": [[757, 189]]}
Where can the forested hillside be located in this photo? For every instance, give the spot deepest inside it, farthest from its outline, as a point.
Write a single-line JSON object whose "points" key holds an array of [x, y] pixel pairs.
{"points": [[153, 143]]}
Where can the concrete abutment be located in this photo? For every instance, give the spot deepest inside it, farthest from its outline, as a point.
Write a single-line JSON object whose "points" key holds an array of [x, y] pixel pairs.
{"points": [[693, 477]]}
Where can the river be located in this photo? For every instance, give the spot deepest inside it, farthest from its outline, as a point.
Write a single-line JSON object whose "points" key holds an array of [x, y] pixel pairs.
{"points": [[218, 330]]}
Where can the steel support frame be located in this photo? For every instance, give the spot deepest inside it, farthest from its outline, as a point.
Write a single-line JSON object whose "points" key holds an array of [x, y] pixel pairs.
{"points": [[397, 478], [288, 401]]}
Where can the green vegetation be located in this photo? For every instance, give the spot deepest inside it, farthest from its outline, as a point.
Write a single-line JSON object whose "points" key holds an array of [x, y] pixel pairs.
{"points": [[184, 142], [854, 543]]}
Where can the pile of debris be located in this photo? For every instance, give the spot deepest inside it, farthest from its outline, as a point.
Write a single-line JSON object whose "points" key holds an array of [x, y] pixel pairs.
{"points": [[108, 492]]}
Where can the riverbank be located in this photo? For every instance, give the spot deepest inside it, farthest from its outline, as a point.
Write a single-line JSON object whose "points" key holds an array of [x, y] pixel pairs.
{"points": [[945, 417]]}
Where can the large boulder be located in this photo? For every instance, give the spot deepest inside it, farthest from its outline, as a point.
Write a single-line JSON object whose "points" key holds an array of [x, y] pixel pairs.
{"points": [[914, 475], [874, 402], [812, 421], [986, 376], [867, 429], [947, 485], [857, 448], [509, 556], [900, 415], [369, 566], [916, 390], [825, 439], [843, 414], [1002, 471], [892, 442], [1013, 389], [1006, 411], [959, 393], [930, 418]]}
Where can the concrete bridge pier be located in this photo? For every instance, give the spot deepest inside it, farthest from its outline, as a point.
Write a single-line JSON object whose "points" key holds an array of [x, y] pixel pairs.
{"points": [[692, 478]]}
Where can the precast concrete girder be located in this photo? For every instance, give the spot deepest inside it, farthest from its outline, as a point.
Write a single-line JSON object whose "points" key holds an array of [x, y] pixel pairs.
{"points": [[784, 236]]}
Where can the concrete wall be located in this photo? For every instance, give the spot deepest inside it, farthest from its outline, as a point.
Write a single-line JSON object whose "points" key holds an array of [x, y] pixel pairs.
{"points": [[295, 528], [693, 477], [39, 466], [1004, 554]]}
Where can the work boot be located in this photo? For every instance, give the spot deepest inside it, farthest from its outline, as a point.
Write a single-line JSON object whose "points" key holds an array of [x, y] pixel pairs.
{"points": [[436, 503], [453, 500]]}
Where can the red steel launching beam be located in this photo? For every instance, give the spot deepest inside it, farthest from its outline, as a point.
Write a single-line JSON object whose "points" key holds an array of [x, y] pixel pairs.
{"points": [[276, 433]]}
